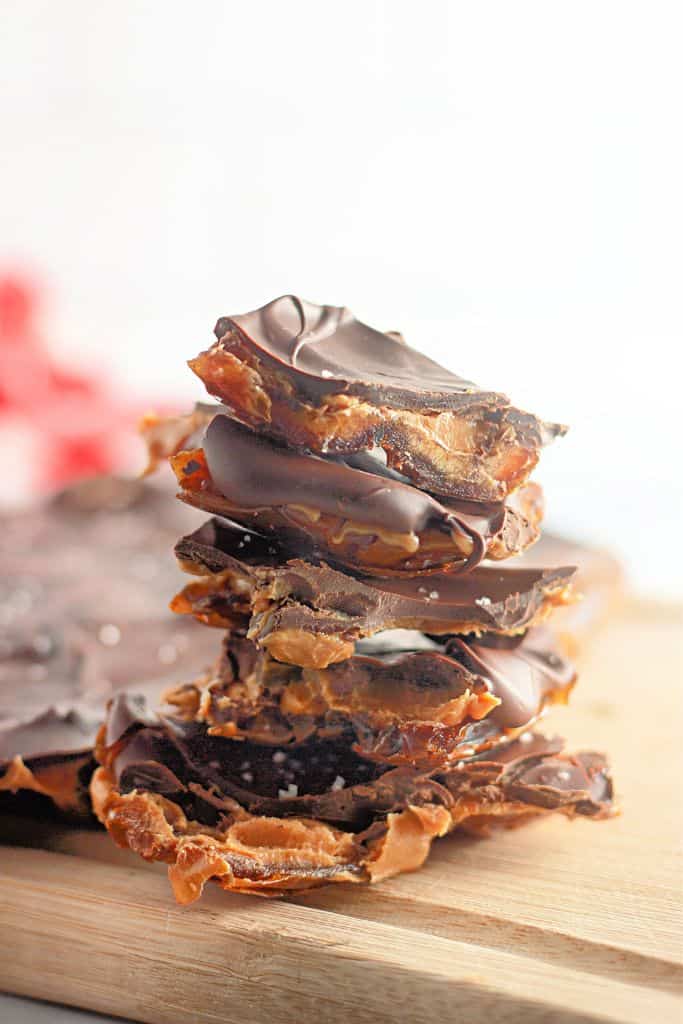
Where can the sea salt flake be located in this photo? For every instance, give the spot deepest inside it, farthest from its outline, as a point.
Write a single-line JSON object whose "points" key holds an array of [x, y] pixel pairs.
{"points": [[279, 757], [339, 782], [247, 776], [43, 644], [109, 635]]}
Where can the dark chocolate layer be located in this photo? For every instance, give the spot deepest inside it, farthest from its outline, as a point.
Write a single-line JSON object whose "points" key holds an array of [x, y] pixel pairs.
{"points": [[354, 511], [83, 615], [325, 350], [252, 472], [207, 775], [294, 597]]}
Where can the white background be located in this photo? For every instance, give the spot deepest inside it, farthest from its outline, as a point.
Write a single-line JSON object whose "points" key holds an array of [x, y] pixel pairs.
{"points": [[501, 182]]}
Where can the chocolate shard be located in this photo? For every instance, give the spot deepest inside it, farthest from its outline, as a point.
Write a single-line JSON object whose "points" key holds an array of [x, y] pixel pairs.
{"points": [[355, 512], [322, 381], [599, 582], [86, 579], [171, 792], [403, 698], [311, 615]]}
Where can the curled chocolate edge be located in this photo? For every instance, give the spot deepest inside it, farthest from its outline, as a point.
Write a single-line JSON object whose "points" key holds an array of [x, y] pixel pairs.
{"points": [[356, 511], [286, 370]]}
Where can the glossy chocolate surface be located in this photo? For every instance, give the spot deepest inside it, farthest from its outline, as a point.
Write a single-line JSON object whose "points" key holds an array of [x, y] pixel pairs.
{"points": [[329, 350], [252, 471]]}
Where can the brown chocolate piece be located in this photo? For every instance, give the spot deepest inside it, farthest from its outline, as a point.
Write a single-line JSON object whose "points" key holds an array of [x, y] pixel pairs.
{"points": [[82, 616], [311, 615], [402, 698], [320, 380], [357, 513], [166, 791], [599, 584]]}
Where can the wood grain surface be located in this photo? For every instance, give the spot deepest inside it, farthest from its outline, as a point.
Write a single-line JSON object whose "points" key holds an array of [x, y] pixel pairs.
{"points": [[558, 921]]}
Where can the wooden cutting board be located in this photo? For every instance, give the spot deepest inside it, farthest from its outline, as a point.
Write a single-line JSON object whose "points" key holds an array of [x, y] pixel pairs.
{"points": [[558, 921]]}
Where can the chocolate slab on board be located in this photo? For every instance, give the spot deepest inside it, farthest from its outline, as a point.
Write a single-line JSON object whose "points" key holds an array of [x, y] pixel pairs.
{"points": [[356, 512], [171, 792], [402, 698], [311, 615], [83, 615], [321, 380]]}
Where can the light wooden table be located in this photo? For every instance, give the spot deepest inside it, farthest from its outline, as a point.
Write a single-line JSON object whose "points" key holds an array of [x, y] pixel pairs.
{"points": [[555, 922]]}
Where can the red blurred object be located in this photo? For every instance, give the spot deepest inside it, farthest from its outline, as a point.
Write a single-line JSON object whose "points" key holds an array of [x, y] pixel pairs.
{"points": [[17, 303], [81, 427]]}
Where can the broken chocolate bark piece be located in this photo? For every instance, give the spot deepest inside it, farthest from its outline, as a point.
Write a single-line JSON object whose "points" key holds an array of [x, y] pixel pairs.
{"points": [[165, 436], [86, 580], [403, 698], [311, 615], [170, 792], [357, 513], [599, 584], [322, 381]]}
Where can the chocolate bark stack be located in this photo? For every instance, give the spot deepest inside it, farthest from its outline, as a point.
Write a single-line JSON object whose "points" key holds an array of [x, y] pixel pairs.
{"points": [[381, 673]]}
